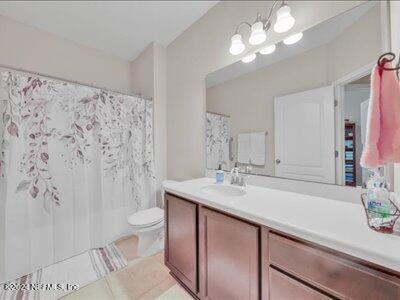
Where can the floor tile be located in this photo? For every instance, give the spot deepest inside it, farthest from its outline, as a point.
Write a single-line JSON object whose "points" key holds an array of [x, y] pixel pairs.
{"points": [[128, 247], [159, 289], [138, 278], [159, 256], [98, 290], [175, 293]]}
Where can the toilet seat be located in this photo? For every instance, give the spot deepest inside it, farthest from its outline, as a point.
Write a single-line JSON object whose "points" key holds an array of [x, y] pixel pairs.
{"points": [[147, 217], [147, 225]]}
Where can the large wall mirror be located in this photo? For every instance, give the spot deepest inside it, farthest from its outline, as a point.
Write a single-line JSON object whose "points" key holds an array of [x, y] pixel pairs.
{"points": [[300, 112]]}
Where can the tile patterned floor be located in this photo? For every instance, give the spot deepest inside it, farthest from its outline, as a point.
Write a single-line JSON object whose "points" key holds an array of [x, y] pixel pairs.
{"points": [[143, 279]]}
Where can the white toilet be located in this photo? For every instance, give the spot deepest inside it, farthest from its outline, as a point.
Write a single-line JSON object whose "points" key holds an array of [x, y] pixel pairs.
{"points": [[148, 225]]}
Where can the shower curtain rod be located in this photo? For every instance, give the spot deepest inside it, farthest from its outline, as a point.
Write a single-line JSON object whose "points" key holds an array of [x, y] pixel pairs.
{"points": [[218, 114], [71, 81]]}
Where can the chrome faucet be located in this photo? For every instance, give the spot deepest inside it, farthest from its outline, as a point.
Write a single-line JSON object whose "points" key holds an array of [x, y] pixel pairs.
{"points": [[236, 177]]}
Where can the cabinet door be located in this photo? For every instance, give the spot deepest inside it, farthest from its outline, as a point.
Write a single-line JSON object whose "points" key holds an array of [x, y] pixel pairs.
{"points": [[283, 287], [229, 257], [181, 240]]}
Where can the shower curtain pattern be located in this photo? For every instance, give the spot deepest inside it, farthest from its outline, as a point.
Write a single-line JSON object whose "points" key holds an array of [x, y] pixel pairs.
{"points": [[55, 132], [217, 140], [112, 118], [24, 108]]}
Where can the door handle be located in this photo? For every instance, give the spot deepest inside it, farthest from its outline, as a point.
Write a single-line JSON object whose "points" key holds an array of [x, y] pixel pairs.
{"points": [[278, 161]]}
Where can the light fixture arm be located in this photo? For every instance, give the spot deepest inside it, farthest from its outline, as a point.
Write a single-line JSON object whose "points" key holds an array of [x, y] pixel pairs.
{"points": [[266, 21], [241, 25], [271, 10]]}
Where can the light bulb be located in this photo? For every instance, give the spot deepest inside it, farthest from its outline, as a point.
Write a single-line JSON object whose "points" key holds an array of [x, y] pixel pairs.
{"points": [[237, 45], [249, 58], [284, 20], [258, 34], [268, 49], [293, 39]]}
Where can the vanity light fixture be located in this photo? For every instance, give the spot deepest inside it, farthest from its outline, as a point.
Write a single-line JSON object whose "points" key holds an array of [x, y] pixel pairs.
{"points": [[237, 45], [260, 27], [284, 21], [268, 49], [258, 34], [293, 38], [249, 58]]}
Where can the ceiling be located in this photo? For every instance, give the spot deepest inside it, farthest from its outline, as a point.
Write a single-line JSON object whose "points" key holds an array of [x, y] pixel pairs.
{"points": [[313, 37], [119, 28]]}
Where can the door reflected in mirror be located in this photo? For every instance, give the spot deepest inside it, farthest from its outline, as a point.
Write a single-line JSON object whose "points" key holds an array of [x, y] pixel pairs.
{"points": [[300, 111]]}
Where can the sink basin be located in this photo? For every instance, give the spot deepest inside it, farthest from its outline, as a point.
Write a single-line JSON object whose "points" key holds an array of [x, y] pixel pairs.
{"points": [[223, 190]]}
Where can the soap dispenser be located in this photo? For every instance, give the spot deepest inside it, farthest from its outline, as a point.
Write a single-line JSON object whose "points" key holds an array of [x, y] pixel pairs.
{"points": [[378, 194], [219, 175]]}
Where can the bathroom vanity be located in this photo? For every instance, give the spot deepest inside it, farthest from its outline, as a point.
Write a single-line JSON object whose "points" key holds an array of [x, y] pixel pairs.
{"points": [[268, 244]]}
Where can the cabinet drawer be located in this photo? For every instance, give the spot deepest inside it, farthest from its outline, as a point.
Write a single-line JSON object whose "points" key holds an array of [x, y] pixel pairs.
{"points": [[283, 287], [340, 277]]}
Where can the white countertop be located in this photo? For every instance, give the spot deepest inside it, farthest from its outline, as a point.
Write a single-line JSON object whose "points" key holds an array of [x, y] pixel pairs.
{"points": [[335, 224]]}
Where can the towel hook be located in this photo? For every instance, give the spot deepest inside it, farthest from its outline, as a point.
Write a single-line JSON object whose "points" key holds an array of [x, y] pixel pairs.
{"points": [[388, 57]]}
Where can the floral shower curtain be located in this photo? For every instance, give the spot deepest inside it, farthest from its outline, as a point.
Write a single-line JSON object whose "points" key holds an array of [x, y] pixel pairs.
{"points": [[217, 140], [75, 161]]}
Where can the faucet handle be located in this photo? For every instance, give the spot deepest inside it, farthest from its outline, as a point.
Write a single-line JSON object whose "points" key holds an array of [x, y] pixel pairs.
{"points": [[242, 181], [248, 169]]}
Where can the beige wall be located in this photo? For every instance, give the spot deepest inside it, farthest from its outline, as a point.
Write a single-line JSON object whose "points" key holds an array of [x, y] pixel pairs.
{"points": [[160, 110], [148, 77], [249, 99], [202, 49], [142, 73], [36, 50], [357, 46]]}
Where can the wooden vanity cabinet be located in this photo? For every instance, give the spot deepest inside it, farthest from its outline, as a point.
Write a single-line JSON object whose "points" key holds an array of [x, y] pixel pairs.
{"points": [[229, 257], [218, 256], [213, 255], [181, 249]]}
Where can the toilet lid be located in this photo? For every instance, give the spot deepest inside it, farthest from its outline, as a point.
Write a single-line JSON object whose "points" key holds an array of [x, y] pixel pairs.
{"points": [[146, 217]]}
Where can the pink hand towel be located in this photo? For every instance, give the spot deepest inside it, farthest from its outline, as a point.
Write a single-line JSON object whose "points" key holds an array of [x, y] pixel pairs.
{"points": [[382, 143]]}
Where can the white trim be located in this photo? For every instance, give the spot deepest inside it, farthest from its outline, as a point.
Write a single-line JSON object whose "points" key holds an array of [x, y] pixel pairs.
{"points": [[339, 115], [339, 130], [357, 86], [356, 74]]}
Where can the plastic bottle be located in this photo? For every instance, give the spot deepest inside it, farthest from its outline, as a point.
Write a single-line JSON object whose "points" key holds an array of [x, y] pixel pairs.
{"points": [[219, 175]]}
